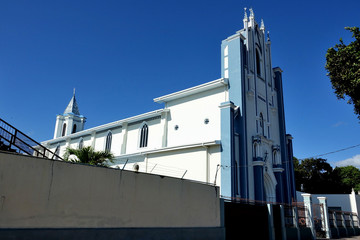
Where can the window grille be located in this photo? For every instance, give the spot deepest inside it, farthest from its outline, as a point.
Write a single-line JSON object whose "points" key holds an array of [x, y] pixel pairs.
{"points": [[108, 142], [144, 136]]}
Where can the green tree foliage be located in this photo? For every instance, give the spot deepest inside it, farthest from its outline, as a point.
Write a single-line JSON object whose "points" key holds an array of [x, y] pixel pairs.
{"points": [[89, 156], [350, 178], [315, 175], [343, 66]]}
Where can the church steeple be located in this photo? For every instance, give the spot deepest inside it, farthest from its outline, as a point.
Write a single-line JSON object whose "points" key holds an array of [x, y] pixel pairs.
{"points": [[72, 107], [71, 121]]}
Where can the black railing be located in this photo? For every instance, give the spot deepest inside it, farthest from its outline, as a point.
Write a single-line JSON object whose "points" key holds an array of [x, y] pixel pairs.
{"points": [[339, 220], [13, 140], [289, 215], [302, 213], [355, 220]]}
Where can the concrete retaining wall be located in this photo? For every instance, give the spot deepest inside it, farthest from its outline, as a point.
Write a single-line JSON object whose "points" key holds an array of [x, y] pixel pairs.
{"points": [[39, 193]]}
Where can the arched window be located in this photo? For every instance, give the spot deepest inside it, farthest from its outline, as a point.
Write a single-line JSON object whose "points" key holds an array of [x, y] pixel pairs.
{"points": [[108, 142], [63, 130], [262, 126], [275, 161], [81, 143], [258, 65], [74, 129], [144, 136], [245, 55], [255, 149]]}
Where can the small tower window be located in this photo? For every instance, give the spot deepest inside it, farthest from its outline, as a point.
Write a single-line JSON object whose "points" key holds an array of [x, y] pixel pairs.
{"points": [[63, 130], [144, 136], [244, 55], [74, 129], [262, 127], [258, 65], [255, 149], [108, 142], [274, 158]]}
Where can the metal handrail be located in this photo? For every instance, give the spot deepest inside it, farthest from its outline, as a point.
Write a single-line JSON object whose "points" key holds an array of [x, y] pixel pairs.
{"points": [[23, 143]]}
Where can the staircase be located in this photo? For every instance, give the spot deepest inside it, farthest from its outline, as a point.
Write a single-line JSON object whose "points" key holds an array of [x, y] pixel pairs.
{"points": [[13, 140]]}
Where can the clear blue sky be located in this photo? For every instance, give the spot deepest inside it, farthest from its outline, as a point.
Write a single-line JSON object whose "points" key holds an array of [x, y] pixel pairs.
{"points": [[119, 55]]}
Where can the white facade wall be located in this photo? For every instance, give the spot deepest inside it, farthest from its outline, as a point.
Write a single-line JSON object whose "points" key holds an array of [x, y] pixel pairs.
{"points": [[169, 152], [87, 140], [189, 114], [116, 141], [100, 140], [198, 163]]}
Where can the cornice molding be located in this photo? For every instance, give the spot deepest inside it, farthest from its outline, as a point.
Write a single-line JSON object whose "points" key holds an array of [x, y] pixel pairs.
{"points": [[104, 127], [193, 90]]}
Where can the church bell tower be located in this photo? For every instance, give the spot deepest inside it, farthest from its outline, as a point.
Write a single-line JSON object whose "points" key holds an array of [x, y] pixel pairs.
{"points": [[71, 121], [259, 151]]}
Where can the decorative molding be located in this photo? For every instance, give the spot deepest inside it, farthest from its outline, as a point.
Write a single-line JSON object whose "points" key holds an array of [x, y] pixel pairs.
{"points": [[266, 140], [257, 139], [108, 126], [251, 93], [276, 148], [278, 170], [261, 98], [144, 120], [238, 34], [193, 90], [228, 104], [277, 69], [258, 163], [167, 149]]}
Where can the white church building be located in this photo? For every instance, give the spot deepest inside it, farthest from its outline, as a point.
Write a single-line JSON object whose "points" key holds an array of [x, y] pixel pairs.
{"points": [[229, 131]]}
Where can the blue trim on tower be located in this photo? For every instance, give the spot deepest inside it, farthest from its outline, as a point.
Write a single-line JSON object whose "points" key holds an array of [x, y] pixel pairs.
{"points": [[279, 187], [227, 184], [259, 178], [237, 95], [283, 146], [244, 187]]}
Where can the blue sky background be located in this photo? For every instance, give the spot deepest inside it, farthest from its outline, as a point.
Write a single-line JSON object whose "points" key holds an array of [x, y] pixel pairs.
{"points": [[119, 55]]}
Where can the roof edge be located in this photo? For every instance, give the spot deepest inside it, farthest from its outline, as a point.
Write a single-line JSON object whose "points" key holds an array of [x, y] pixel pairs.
{"points": [[193, 90]]}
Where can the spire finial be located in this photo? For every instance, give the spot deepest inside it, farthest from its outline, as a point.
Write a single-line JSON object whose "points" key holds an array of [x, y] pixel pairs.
{"points": [[268, 36], [262, 25], [245, 14], [74, 91], [251, 13]]}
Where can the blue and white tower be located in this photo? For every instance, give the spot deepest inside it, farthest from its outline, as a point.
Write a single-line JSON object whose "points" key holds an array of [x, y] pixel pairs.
{"points": [[255, 147], [71, 121]]}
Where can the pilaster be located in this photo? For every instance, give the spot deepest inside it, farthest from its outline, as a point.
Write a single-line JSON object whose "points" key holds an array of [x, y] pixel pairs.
{"points": [[325, 216], [164, 124], [279, 186], [227, 185], [93, 139], [124, 138], [309, 214]]}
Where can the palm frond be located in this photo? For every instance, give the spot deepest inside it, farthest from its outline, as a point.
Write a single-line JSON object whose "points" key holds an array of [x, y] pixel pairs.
{"points": [[89, 156]]}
